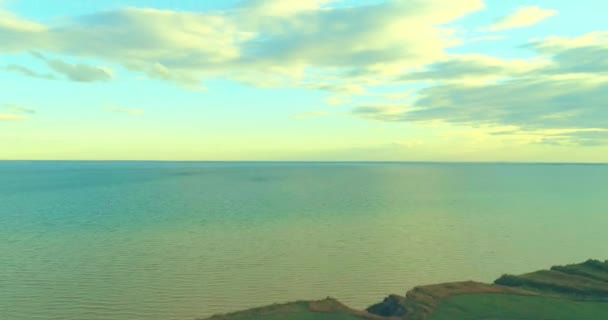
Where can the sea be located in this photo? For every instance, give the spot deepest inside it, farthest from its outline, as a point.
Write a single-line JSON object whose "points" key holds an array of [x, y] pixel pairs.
{"points": [[186, 240]]}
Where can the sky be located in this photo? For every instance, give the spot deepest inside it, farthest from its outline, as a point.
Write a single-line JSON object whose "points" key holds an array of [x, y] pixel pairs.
{"points": [[310, 80]]}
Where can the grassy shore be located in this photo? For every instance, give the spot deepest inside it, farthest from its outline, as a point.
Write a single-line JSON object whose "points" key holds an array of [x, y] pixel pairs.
{"points": [[576, 291], [517, 307]]}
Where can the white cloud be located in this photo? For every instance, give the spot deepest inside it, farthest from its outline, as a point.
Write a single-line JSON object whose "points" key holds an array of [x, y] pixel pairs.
{"points": [[564, 91], [554, 44], [10, 21], [281, 8], [522, 17], [269, 43], [18, 34]]}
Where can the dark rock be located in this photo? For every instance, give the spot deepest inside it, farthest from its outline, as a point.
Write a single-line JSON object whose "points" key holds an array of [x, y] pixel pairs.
{"points": [[391, 306]]}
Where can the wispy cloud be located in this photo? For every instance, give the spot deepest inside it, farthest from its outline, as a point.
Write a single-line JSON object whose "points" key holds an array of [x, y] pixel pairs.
{"points": [[120, 109], [337, 100], [589, 137], [474, 66], [15, 108], [13, 112], [565, 90], [10, 116], [268, 43], [28, 72], [342, 50], [383, 112], [522, 17], [77, 72]]}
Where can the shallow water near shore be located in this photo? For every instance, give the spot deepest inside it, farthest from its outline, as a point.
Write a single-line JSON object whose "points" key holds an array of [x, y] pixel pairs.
{"points": [[180, 240]]}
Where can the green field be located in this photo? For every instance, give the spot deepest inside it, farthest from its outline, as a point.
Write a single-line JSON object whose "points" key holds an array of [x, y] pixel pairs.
{"points": [[482, 306], [306, 315], [571, 292], [517, 307], [303, 310]]}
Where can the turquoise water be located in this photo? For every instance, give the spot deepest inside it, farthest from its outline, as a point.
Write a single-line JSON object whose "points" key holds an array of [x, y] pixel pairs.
{"points": [[147, 240]]}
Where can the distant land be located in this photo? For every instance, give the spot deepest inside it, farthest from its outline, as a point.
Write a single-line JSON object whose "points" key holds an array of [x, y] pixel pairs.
{"points": [[571, 292]]}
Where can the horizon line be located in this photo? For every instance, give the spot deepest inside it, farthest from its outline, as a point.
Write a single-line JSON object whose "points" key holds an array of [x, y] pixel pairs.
{"points": [[310, 161]]}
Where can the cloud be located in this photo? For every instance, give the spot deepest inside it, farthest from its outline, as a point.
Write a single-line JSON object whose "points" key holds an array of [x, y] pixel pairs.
{"points": [[119, 109], [565, 89], [583, 54], [528, 102], [589, 138], [522, 17], [383, 112], [73, 72], [557, 137], [281, 8], [336, 100], [588, 59], [15, 112], [556, 44], [474, 66], [18, 34], [28, 72], [524, 102], [309, 115], [266, 43], [77, 72], [18, 109], [10, 116], [369, 37], [346, 89]]}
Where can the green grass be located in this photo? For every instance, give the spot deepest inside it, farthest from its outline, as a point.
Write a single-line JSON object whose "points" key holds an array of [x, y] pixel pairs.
{"points": [[517, 307], [306, 315], [291, 311]]}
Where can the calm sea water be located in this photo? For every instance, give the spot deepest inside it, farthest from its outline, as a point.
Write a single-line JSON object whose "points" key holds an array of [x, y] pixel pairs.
{"points": [[145, 240]]}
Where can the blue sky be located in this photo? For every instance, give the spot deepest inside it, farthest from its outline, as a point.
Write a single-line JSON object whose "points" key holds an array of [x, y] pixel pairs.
{"points": [[437, 80]]}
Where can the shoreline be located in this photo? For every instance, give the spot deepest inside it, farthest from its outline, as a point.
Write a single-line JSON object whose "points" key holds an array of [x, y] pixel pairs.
{"points": [[582, 285]]}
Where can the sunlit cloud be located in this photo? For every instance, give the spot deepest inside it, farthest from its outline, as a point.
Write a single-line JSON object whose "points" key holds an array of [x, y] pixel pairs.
{"points": [[280, 8], [565, 90], [412, 63], [555, 44], [582, 54], [522, 17], [261, 42]]}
